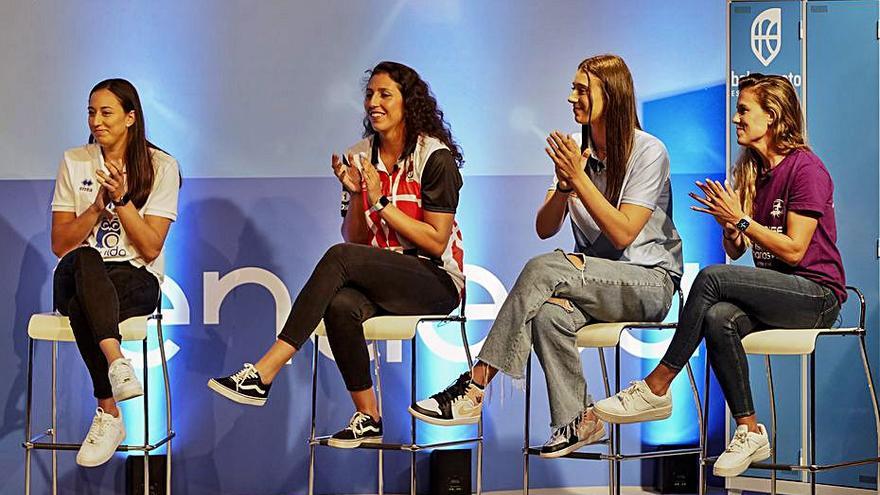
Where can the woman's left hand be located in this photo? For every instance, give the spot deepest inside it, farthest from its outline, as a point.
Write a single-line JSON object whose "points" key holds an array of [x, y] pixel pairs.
{"points": [[721, 201], [567, 156], [371, 178], [114, 182]]}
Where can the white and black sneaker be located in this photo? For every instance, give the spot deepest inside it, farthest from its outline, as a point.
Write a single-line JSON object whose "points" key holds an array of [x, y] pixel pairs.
{"points": [[581, 431], [362, 428], [244, 387], [460, 404]]}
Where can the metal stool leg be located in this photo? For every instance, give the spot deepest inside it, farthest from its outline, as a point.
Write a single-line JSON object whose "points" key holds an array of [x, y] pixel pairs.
{"points": [[167, 383], [772, 393], [27, 417], [704, 432], [617, 438], [870, 379], [526, 427], [604, 366], [702, 439], [54, 416], [312, 430], [412, 423], [470, 361], [381, 414], [813, 421], [146, 419]]}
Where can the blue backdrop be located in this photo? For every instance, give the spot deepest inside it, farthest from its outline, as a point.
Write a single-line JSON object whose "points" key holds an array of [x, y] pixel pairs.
{"points": [[252, 99]]}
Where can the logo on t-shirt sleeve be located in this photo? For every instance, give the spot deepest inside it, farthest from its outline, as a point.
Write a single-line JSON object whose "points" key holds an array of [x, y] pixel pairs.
{"points": [[109, 237]]}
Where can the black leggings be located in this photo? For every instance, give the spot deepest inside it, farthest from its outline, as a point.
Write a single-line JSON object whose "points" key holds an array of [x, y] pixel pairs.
{"points": [[353, 283], [96, 296]]}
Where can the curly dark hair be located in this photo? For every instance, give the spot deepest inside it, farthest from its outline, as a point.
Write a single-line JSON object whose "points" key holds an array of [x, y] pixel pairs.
{"points": [[421, 115]]}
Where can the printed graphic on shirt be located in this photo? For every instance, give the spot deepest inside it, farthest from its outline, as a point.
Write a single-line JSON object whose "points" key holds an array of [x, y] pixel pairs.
{"points": [[108, 238], [86, 186], [762, 257]]}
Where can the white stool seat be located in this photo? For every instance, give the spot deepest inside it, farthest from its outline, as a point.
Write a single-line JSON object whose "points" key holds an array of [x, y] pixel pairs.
{"points": [[608, 334], [55, 327], [387, 327], [786, 341]]}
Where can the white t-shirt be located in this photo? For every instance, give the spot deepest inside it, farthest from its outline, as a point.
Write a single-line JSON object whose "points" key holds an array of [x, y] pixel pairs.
{"points": [[77, 186]]}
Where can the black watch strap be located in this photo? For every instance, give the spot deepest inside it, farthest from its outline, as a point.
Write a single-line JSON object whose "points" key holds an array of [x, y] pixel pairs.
{"points": [[122, 202]]}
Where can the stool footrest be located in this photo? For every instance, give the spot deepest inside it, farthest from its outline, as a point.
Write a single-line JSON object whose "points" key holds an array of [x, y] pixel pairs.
{"points": [[407, 447], [660, 453], [34, 445], [595, 456], [813, 468]]}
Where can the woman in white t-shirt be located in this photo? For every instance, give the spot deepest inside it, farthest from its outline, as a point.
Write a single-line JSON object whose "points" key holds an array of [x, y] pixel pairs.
{"points": [[114, 201], [626, 263]]}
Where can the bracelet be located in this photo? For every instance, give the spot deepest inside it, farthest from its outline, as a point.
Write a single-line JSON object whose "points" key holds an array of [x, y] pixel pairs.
{"points": [[564, 191], [729, 238]]}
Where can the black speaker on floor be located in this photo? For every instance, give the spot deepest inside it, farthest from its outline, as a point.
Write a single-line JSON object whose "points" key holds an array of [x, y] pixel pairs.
{"points": [[451, 472], [134, 475], [676, 474]]}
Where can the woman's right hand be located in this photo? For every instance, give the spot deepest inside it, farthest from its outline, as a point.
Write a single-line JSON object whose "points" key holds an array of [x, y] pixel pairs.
{"points": [[348, 175], [102, 199]]}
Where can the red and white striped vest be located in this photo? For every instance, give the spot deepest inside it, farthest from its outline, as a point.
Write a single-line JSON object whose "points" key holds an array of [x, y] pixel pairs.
{"points": [[403, 186]]}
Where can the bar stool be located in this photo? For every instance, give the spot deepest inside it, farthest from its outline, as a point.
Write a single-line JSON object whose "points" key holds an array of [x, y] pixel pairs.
{"points": [[600, 336], [396, 328], [801, 342], [55, 328]]}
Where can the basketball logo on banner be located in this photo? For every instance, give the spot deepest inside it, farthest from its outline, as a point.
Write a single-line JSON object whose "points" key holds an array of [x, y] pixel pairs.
{"points": [[767, 35]]}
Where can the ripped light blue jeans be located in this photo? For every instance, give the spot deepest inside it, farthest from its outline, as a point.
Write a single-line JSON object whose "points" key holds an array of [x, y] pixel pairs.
{"points": [[600, 290]]}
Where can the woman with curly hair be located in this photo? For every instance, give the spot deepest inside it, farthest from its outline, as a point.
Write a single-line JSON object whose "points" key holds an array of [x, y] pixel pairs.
{"points": [[403, 251]]}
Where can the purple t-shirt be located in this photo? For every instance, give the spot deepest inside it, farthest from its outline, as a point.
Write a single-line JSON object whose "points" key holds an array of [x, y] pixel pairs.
{"points": [[801, 183]]}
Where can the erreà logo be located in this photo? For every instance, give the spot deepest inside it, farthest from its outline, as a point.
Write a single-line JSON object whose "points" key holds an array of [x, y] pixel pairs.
{"points": [[767, 35]]}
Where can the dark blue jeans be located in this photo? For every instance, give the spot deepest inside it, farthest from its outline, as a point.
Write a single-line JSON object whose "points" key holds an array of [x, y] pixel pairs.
{"points": [[728, 302]]}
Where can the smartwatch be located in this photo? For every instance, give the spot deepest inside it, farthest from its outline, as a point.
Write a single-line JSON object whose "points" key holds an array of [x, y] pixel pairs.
{"points": [[380, 205], [122, 202], [743, 224]]}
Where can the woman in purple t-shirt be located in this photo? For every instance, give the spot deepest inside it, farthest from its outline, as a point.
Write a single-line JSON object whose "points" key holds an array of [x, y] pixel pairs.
{"points": [[784, 210]]}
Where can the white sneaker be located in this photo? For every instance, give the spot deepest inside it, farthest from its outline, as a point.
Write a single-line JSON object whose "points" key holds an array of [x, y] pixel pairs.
{"points": [[634, 404], [580, 432], [123, 381], [105, 434], [745, 448], [461, 403]]}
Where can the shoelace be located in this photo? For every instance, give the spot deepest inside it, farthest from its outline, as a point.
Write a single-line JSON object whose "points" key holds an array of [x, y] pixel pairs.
{"points": [[247, 372], [628, 393], [454, 392], [739, 442], [355, 424], [96, 431]]}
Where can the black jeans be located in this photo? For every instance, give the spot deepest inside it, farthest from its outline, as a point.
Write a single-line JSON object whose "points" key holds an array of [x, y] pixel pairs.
{"points": [[96, 296], [728, 302], [353, 283]]}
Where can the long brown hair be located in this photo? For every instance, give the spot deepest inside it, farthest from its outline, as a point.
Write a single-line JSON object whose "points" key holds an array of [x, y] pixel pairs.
{"points": [[619, 114], [777, 97], [139, 170]]}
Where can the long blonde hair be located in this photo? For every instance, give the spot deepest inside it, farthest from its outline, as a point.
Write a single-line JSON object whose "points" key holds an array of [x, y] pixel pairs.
{"points": [[620, 116], [777, 97]]}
